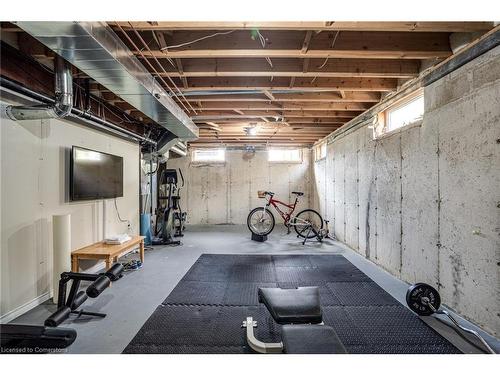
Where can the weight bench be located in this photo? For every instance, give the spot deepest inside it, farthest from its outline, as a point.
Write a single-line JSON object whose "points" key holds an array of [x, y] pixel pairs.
{"points": [[18, 338], [299, 312]]}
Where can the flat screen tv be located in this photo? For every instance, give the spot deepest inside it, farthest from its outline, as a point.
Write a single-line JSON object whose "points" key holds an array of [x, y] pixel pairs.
{"points": [[95, 175]]}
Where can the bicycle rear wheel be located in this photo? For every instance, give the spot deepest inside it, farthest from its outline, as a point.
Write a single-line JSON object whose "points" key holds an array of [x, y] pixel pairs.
{"points": [[260, 221], [304, 220]]}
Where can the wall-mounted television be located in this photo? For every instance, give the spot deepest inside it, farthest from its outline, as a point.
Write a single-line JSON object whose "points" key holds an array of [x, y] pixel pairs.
{"points": [[95, 175]]}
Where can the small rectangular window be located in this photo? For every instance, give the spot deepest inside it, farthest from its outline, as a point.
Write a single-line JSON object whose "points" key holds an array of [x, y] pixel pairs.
{"points": [[285, 155], [320, 151], [405, 112], [209, 155]]}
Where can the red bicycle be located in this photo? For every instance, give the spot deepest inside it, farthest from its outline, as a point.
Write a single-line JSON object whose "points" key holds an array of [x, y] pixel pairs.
{"points": [[261, 221]]}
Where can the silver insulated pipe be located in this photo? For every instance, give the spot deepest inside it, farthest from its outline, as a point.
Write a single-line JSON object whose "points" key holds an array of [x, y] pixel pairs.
{"points": [[63, 97]]}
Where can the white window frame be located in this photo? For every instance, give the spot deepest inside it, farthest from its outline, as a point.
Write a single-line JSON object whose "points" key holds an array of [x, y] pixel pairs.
{"points": [[286, 161], [382, 127], [320, 151], [196, 160]]}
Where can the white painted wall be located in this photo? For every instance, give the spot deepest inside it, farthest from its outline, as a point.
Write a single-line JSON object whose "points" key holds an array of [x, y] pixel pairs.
{"points": [[33, 188], [424, 203], [225, 193]]}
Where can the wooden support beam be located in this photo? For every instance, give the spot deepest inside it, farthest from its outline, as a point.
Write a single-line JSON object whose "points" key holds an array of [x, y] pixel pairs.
{"points": [[300, 120], [287, 106], [291, 53], [283, 83], [292, 123], [213, 115], [292, 82], [251, 67], [319, 97], [314, 25], [32, 47], [289, 44], [237, 142]]}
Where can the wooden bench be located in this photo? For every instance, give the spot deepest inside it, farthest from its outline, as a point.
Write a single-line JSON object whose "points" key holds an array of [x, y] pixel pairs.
{"points": [[109, 253]]}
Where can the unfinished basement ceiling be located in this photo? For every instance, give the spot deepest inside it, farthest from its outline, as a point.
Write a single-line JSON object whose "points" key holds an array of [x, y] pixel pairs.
{"points": [[295, 82], [292, 83]]}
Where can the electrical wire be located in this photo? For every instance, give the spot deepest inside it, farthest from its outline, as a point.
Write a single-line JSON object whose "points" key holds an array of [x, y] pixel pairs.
{"points": [[326, 60], [164, 71], [119, 217], [263, 43], [197, 40], [153, 68]]}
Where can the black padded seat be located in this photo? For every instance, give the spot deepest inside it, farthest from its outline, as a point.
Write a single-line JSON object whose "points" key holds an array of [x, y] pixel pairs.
{"points": [[292, 306], [311, 339], [27, 336], [299, 193]]}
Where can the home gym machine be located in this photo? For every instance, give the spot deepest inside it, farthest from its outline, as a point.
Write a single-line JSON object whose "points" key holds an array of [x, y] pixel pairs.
{"points": [[424, 300], [170, 219], [69, 305], [319, 234]]}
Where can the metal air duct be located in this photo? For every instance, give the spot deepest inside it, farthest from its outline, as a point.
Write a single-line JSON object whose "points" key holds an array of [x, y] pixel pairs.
{"points": [[63, 98], [95, 49]]}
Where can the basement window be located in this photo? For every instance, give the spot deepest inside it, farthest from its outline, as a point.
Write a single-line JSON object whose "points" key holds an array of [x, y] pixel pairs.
{"points": [[320, 151], [407, 111], [212, 155], [285, 155]]}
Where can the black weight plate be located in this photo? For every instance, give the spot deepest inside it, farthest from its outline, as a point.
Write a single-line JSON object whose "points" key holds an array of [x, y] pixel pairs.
{"points": [[415, 295]]}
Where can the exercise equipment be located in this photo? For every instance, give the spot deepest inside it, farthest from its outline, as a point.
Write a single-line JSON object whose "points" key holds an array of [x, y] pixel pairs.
{"points": [[172, 218], [425, 300], [319, 234], [19, 338], [68, 304], [303, 331]]}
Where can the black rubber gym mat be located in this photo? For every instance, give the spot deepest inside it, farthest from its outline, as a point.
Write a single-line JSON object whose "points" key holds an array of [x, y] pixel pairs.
{"points": [[204, 312]]}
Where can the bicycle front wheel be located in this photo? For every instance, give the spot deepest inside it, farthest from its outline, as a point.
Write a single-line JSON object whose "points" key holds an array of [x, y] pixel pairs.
{"points": [[260, 221], [305, 220]]}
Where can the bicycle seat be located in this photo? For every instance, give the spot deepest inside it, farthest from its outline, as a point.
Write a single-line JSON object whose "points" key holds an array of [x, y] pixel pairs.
{"points": [[298, 193], [270, 193]]}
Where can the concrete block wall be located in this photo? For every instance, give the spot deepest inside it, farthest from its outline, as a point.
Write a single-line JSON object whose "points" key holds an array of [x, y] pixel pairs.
{"points": [[424, 203], [225, 193]]}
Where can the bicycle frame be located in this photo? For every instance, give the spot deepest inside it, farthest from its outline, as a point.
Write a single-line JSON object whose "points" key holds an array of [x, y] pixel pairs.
{"points": [[286, 216]]}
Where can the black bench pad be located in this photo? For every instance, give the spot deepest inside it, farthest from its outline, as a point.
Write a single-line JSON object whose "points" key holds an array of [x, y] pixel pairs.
{"points": [[27, 336], [292, 306], [311, 339]]}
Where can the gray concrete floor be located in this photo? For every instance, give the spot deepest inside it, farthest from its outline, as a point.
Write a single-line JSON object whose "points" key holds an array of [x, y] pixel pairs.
{"points": [[131, 300]]}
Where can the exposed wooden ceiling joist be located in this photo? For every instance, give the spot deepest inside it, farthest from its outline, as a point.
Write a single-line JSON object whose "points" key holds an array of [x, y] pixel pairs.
{"points": [[288, 106], [409, 26], [281, 83], [327, 97], [299, 82], [289, 44], [280, 112], [294, 67], [292, 53]]}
